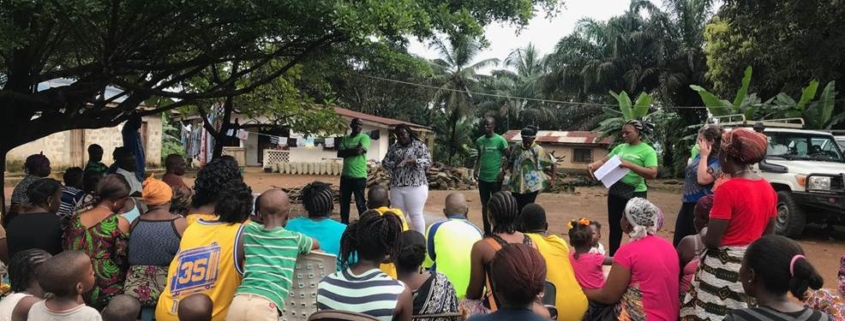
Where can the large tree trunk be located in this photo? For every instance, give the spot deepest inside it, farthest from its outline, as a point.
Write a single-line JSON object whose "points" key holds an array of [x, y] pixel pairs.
{"points": [[225, 124]]}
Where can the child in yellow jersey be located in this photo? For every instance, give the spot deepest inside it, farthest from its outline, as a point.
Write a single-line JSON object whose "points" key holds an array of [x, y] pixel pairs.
{"points": [[210, 256]]}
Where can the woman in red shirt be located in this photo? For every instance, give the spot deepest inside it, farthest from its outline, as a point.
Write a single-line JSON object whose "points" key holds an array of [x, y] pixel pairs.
{"points": [[743, 211]]}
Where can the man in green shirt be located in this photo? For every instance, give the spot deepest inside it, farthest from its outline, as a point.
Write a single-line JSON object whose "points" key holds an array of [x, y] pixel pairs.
{"points": [[491, 148], [353, 178]]}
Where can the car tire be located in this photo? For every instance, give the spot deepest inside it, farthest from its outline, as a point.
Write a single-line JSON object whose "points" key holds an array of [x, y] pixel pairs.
{"points": [[790, 219]]}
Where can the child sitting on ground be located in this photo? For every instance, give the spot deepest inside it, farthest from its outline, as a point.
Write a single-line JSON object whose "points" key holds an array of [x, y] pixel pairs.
{"points": [[597, 247], [691, 246], [122, 308], [66, 275], [270, 251], [196, 307]]}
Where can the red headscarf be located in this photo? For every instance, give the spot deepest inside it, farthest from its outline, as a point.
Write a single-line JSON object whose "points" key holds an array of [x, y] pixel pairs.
{"points": [[747, 146]]}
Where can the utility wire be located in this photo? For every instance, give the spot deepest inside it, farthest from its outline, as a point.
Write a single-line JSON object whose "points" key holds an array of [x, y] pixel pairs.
{"points": [[537, 99]]}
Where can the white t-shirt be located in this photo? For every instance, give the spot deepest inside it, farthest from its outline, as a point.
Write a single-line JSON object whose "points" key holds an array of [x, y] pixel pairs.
{"points": [[8, 304], [82, 312]]}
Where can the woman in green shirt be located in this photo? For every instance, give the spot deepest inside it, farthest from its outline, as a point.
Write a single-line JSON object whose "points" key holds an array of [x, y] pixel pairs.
{"points": [[641, 159]]}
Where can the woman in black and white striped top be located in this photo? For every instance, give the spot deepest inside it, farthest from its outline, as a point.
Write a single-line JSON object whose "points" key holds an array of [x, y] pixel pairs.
{"points": [[362, 287], [406, 161]]}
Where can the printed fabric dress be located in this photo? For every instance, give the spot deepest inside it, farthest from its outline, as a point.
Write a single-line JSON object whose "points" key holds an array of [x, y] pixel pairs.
{"points": [[528, 176], [106, 244]]}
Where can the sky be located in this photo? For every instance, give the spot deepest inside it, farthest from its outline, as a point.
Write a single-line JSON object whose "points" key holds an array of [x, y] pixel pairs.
{"points": [[543, 32]]}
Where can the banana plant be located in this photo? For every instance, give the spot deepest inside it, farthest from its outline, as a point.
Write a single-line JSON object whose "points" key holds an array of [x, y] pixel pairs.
{"points": [[628, 110], [743, 103]]}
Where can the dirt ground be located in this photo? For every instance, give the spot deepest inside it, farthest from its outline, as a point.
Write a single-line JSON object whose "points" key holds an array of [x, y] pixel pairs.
{"points": [[590, 202]]}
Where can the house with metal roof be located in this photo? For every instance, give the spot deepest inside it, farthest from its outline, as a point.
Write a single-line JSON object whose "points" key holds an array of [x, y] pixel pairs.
{"points": [[573, 149]]}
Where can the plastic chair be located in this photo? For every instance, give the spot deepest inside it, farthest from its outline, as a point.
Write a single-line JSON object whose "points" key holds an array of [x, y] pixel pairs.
{"points": [[549, 297], [333, 315], [310, 269]]}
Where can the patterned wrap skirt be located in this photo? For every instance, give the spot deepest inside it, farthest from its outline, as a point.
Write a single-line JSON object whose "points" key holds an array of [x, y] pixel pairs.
{"points": [[716, 289]]}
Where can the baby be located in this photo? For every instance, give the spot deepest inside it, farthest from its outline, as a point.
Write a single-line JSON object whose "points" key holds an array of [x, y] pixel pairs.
{"points": [[66, 275]]}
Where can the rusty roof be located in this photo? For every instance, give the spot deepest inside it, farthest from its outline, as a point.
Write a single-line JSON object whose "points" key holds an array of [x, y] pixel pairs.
{"points": [[343, 112], [562, 137]]}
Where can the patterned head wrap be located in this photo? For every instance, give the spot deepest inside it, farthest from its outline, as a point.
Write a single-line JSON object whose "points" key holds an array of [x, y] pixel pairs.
{"points": [[747, 146], [643, 217], [156, 192], [643, 127]]}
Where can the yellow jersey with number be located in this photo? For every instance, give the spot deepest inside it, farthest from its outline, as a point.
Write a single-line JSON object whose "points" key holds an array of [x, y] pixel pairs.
{"points": [[206, 263], [190, 219]]}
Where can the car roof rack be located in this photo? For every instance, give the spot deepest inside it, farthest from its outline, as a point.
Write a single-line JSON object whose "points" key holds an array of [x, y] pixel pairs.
{"points": [[739, 120]]}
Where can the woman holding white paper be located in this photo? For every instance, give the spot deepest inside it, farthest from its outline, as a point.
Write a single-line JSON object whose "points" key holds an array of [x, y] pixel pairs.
{"points": [[641, 159]]}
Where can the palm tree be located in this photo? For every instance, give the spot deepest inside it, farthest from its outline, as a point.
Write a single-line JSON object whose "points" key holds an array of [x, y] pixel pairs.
{"points": [[457, 76]]}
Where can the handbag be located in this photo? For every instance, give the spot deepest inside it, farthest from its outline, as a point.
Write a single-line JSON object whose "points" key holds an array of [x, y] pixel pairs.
{"points": [[621, 190]]}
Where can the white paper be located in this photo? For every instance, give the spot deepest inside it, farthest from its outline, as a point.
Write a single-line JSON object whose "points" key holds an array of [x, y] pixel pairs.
{"points": [[610, 172]]}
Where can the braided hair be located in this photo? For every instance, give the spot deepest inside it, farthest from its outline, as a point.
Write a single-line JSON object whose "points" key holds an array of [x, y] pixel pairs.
{"points": [[407, 129], [372, 237], [504, 210], [318, 199], [22, 268], [210, 181], [40, 191]]}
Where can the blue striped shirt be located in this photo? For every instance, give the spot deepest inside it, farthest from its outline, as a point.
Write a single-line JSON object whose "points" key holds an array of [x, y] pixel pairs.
{"points": [[372, 293]]}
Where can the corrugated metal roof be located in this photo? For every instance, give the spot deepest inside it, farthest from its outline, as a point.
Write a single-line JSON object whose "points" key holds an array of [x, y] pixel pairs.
{"points": [[561, 137], [375, 119]]}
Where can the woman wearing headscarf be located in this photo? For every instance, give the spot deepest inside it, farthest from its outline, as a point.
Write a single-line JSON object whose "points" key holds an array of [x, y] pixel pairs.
{"points": [[154, 242], [406, 161], [743, 210], [532, 169], [641, 159], [699, 177], [643, 281]]}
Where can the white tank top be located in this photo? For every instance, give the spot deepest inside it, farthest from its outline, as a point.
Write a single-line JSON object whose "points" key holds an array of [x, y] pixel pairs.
{"points": [[8, 304]]}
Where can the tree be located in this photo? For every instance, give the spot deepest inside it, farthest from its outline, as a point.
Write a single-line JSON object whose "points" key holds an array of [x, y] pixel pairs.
{"points": [[787, 42], [457, 76], [153, 48]]}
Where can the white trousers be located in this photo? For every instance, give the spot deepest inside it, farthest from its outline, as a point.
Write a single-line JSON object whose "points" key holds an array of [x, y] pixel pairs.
{"points": [[411, 200]]}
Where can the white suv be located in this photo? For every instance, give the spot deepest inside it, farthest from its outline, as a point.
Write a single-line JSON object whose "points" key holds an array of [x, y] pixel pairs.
{"points": [[807, 169]]}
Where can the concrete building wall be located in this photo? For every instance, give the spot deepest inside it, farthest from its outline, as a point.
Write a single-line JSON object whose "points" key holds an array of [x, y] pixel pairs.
{"points": [[70, 148]]}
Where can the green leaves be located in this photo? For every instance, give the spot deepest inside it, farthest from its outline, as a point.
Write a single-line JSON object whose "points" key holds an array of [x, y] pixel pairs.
{"points": [[743, 90]]}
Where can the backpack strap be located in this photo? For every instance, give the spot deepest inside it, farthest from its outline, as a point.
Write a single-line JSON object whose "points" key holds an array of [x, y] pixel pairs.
{"points": [[490, 296]]}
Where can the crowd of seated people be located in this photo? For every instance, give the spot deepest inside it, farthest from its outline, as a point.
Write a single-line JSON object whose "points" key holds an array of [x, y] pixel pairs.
{"points": [[209, 258]]}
